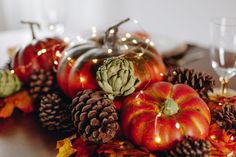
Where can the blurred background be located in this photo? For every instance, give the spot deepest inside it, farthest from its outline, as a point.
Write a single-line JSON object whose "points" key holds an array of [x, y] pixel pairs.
{"points": [[185, 20]]}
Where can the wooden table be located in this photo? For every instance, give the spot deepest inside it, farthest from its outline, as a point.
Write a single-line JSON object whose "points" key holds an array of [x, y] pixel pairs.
{"points": [[21, 135]]}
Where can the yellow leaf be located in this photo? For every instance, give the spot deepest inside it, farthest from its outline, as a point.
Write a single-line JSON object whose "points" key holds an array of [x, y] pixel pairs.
{"points": [[65, 148]]}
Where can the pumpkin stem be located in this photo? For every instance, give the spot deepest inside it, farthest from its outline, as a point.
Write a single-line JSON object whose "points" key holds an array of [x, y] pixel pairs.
{"points": [[111, 34], [170, 107], [32, 24]]}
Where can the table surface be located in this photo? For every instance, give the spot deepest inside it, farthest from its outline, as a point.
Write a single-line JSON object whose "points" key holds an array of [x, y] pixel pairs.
{"points": [[22, 136]]}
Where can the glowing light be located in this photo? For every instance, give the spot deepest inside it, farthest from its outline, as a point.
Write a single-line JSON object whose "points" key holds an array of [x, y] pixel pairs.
{"points": [[58, 53], [51, 27], [94, 35], [123, 39], [134, 41], [66, 39], [174, 73], [12, 71], [43, 50], [140, 54], [213, 137], [177, 125], [68, 58], [112, 31], [66, 53], [56, 62], [95, 60], [158, 139], [82, 79], [126, 47], [128, 35], [159, 114], [147, 40], [232, 138], [39, 53], [161, 74], [72, 44], [136, 21], [230, 154], [109, 50], [220, 104], [152, 43], [141, 92], [79, 38], [94, 29]]}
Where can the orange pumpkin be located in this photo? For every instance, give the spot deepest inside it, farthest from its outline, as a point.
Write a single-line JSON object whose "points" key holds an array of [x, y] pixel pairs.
{"points": [[161, 114]]}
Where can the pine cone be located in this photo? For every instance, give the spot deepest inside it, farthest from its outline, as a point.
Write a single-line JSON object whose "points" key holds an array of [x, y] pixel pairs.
{"points": [[226, 118], [9, 83], [201, 82], [190, 147], [94, 116], [41, 82], [116, 77], [54, 113]]}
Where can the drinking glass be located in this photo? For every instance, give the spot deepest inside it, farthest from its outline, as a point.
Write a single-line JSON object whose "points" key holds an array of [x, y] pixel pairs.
{"points": [[223, 49]]}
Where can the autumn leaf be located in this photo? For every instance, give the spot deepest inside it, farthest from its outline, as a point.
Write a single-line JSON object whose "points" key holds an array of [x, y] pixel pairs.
{"points": [[7, 110], [65, 148], [20, 100]]}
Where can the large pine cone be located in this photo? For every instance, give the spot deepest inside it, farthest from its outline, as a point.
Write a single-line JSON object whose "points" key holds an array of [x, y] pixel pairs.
{"points": [[54, 113], [190, 147], [199, 81], [226, 118], [41, 82], [94, 116]]}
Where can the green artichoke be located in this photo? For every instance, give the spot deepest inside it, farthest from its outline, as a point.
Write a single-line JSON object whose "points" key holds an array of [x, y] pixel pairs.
{"points": [[9, 83], [116, 77]]}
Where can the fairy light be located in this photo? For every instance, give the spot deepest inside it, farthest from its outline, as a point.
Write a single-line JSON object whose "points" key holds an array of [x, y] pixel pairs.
{"points": [[81, 79], [109, 51], [177, 125], [58, 54], [68, 58], [126, 47], [220, 104], [39, 52], [112, 31], [158, 139], [135, 21], [174, 73], [134, 41], [140, 54], [161, 74], [123, 39], [230, 154], [66, 39], [43, 50], [213, 137], [79, 38], [55, 62], [72, 43], [152, 43], [147, 40], [232, 138], [95, 60], [128, 35], [12, 71], [65, 53]]}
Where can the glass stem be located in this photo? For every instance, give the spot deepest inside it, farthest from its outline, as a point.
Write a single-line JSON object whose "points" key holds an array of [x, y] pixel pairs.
{"points": [[224, 83]]}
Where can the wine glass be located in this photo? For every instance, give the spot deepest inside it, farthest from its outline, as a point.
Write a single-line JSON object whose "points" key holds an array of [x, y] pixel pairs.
{"points": [[223, 50]]}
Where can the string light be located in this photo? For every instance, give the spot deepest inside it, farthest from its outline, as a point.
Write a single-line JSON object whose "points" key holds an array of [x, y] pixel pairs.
{"points": [[158, 139], [134, 41], [112, 31], [79, 38], [55, 62], [174, 73], [147, 40], [65, 53], [135, 21], [72, 43], [58, 54], [12, 71], [232, 138], [128, 35], [126, 47], [123, 39], [95, 60], [152, 43], [68, 58], [82, 79], [109, 50], [230, 154], [39, 53], [66, 39], [161, 74], [140, 54], [177, 125], [213, 137]]}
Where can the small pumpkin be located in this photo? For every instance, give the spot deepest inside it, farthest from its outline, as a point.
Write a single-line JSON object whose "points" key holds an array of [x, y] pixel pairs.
{"points": [[162, 114], [39, 54]]}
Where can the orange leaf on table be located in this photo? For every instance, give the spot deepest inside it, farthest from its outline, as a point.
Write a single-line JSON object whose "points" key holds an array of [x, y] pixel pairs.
{"points": [[21, 100], [7, 110]]}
